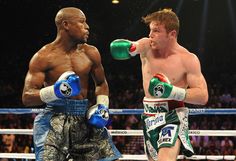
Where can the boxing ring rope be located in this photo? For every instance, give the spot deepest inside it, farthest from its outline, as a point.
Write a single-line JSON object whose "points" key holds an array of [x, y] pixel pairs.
{"points": [[133, 132], [200, 111], [196, 111], [127, 157]]}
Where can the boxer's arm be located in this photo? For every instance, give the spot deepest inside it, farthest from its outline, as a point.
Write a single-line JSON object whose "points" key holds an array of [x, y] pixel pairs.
{"points": [[98, 114], [98, 74], [161, 87], [68, 84], [34, 82], [197, 93]]}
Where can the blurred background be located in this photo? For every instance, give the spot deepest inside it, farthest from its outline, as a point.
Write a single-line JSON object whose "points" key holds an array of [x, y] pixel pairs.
{"points": [[207, 28]]}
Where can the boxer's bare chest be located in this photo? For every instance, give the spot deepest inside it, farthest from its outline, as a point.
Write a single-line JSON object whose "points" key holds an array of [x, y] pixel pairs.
{"points": [[171, 66], [76, 61]]}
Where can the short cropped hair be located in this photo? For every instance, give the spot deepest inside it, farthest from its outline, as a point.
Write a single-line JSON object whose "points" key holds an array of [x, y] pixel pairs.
{"points": [[165, 17]]}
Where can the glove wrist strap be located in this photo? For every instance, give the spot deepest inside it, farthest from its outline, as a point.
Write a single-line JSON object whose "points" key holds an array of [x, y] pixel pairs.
{"points": [[133, 50], [103, 99], [47, 94], [178, 93]]}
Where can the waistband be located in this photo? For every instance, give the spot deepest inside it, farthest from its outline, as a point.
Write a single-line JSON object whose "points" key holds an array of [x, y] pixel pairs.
{"points": [[68, 106], [155, 105]]}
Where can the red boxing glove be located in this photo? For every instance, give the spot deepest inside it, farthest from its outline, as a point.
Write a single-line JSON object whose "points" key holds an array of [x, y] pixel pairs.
{"points": [[162, 77]]}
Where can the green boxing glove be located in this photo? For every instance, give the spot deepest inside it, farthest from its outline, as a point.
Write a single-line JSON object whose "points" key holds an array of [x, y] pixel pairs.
{"points": [[160, 87], [122, 49]]}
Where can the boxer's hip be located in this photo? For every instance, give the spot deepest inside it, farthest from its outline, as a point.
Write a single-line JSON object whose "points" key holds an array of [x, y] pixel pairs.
{"points": [[156, 105]]}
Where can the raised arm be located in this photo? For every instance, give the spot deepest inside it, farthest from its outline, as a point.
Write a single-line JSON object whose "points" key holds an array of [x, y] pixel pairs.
{"points": [[67, 85], [197, 93], [34, 82]]}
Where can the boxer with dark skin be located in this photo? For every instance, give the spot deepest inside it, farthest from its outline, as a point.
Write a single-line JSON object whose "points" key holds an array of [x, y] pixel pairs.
{"points": [[68, 52], [58, 75]]}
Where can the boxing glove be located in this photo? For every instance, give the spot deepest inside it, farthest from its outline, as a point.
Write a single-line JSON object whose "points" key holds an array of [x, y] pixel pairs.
{"points": [[160, 87], [66, 86], [98, 114], [122, 49]]}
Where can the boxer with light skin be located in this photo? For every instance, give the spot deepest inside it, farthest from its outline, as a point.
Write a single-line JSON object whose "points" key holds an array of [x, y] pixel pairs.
{"points": [[58, 76], [171, 76]]}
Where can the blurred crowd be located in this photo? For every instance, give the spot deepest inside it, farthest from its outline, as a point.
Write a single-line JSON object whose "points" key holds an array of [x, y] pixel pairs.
{"points": [[129, 95]]}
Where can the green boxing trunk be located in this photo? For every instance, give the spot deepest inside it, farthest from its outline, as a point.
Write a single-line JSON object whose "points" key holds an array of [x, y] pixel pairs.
{"points": [[162, 130]]}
